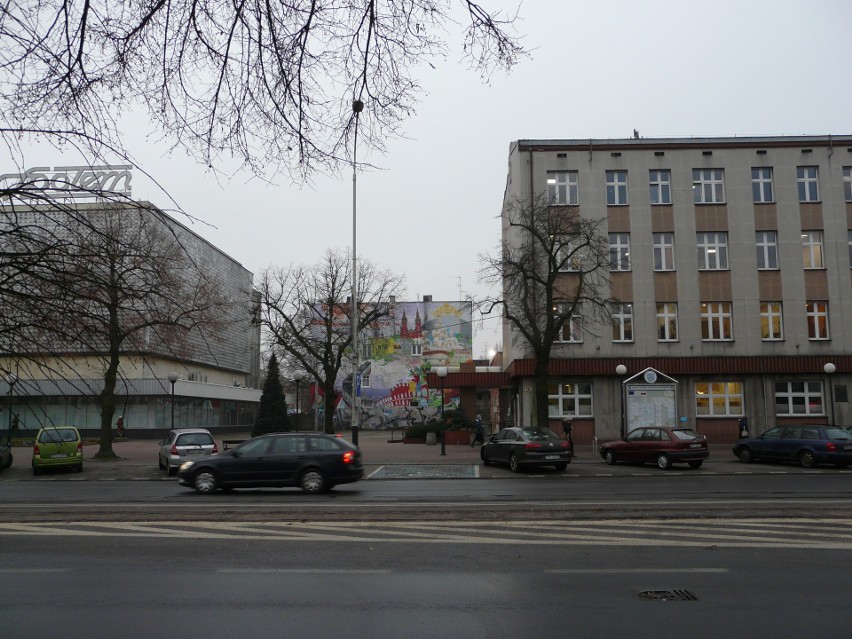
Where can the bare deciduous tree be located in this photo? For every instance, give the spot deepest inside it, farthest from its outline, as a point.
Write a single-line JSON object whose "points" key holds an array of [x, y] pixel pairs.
{"points": [[552, 266], [307, 310], [270, 83]]}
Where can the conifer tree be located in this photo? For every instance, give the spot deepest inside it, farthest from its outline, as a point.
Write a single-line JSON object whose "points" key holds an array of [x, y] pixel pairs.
{"points": [[272, 414]]}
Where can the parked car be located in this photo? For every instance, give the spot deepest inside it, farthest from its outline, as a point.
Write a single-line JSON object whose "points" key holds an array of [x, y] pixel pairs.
{"points": [[5, 455], [316, 462], [57, 447], [182, 444], [661, 445], [807, 444], [520, 447]]}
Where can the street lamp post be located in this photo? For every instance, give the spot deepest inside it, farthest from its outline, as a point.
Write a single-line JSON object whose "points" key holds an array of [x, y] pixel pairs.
{"points": [[298, 376], [173, 377], [11, 379], [829, 369], [621, 370], [441, 371], [357, 107]]}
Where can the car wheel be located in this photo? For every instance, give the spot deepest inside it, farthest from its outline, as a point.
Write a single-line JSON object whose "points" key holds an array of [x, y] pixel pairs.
{"points": [[514, 466], [204, 482], [696, 464], [663, 461], [160, 463], [170, 471], [36, 470], [807, 459], [312, 481], [744, 455], [561, 466], [79, 468], [609, 457], [484, 457]]}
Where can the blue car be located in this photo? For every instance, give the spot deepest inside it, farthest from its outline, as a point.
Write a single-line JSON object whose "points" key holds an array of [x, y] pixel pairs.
{"points": [[808, 444]]}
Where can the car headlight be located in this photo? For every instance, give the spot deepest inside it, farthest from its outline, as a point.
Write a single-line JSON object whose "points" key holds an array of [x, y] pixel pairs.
{"points": [[186, 465]]}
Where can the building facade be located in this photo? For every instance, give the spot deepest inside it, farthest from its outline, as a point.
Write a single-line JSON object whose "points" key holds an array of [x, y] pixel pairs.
{"points": [[210, 379], [730, 261]]}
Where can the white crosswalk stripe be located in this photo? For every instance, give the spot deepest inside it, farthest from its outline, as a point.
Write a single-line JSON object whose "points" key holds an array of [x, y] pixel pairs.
{"points": [[825, 533]]}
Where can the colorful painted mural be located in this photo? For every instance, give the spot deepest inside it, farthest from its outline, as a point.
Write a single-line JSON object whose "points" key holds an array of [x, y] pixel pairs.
{"points": [[396, 354]]}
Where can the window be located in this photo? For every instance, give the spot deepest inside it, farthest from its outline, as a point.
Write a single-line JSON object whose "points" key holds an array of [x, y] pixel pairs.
{"points": [[569, 399], [417, 349], [807, 178], [799, 398], [667, 322], [616, 187], [712, 251], [817, 314], [766, 247], [572, 329], [365, 380], [661, 186], [664, 251], [771, 321], [761, 185], [619, 251], [708, 186], [562, 188], [622, 323], [716, 322], [812, 254], [568, 257], [715, 399], [847, 183]]}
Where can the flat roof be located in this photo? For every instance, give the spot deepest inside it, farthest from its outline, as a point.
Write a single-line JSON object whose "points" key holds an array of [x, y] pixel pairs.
{"points": [[662, 143]]}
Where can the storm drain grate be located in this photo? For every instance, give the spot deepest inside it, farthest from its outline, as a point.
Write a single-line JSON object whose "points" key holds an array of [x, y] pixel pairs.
{"points": [[668, 595]]}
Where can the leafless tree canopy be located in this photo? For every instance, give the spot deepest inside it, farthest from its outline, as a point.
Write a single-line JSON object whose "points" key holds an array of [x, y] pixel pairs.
{"points": [[553, 268], [270, 82], [307, 311]]}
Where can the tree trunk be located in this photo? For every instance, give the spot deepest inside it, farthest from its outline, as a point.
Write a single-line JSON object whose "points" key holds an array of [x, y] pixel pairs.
{"points": [[541, 381], [108, 411], [328, 410]]}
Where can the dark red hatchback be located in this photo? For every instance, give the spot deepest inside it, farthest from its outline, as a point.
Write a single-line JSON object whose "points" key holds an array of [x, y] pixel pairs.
{"points": [[661, 445]]}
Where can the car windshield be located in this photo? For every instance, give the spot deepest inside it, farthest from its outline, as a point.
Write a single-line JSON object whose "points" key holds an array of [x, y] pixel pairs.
{"points": [[57, 435], [685, 434], [837, 433], [540, 434]]}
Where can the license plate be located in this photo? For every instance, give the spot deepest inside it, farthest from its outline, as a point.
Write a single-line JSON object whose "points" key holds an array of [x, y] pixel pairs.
{"points": [[551, 456], [193, 452], [58, 455], [695, 446], [847, 448]]}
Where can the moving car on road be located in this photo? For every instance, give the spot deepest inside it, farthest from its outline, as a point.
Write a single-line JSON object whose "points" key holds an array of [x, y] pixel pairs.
{"points": [[5, 455], [520, 447], [661, 445], [58, 447], [182, 444], [315, 462], [807, 444]]}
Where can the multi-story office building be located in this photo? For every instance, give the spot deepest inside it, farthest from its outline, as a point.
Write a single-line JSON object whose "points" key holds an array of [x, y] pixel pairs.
{"points": [[730, 260]]}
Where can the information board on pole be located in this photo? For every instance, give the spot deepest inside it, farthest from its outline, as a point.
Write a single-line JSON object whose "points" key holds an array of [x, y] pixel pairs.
{"points": [[651, 405]]}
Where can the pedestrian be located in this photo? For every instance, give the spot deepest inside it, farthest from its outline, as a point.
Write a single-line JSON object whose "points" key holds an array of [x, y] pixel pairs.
{"points": [[743, 425], [15, 423], [479, 432], [567, 431], [119, 426]]}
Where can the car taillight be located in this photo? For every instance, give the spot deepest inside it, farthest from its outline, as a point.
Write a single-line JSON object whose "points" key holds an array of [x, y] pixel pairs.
{"points": [[831, 447], [349, 457], [532, 445], [566, 444], [215, 449], [36, 451], [173, 450], [80, 447]]}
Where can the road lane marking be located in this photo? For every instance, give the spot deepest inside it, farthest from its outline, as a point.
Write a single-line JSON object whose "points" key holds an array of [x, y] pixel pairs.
{"points": [[304, 571], [618, 571]]}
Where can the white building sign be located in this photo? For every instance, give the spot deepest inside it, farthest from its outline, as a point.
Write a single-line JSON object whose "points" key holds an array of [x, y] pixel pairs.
{"points": [[76, 182]]}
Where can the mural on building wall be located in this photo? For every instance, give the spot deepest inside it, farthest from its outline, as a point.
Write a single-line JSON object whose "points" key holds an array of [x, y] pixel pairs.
{"points": [[397, 353]]}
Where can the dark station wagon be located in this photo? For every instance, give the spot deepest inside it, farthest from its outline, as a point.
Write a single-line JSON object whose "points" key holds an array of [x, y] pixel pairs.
{"points": [[809, 445]]}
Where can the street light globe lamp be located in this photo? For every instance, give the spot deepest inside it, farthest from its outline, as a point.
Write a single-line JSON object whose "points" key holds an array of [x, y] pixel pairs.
{"points": [[621, 370], [829, 369], [357, 107], [441, 372], [173, 377]]}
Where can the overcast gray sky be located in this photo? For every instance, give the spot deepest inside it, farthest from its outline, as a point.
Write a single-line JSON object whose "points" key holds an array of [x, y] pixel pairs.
{"points": [[598, 70]]}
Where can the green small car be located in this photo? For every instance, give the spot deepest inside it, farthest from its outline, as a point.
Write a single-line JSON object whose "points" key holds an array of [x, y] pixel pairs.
{"points": [[58, 447]]}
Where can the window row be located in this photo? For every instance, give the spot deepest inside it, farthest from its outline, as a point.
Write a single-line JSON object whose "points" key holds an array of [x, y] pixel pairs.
{"points": [[708, 186], [712, 251], [716, 318], [712, 399]]}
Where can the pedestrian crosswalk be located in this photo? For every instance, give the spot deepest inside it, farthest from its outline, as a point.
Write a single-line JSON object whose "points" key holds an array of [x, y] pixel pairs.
{"points": [[826, 533]]}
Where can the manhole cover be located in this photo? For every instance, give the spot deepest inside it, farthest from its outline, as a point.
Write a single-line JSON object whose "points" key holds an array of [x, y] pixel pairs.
{"points": [[668, 595], [425, 471]]}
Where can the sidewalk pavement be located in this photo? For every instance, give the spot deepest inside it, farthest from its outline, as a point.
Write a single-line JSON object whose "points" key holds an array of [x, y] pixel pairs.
{"points": [[384, 458]]}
